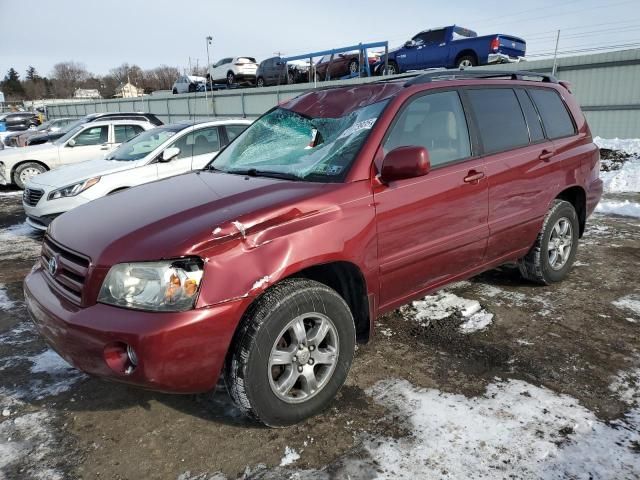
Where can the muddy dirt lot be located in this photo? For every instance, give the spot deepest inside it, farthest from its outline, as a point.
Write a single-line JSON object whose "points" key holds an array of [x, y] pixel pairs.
{"points": [[546, 384]]}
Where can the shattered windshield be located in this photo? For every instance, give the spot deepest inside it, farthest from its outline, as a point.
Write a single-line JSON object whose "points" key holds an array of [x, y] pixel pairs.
{"points": [[286, 144]]}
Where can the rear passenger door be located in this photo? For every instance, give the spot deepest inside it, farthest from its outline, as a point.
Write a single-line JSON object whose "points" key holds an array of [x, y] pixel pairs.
{"points": [[518, 167], [433, 227]]}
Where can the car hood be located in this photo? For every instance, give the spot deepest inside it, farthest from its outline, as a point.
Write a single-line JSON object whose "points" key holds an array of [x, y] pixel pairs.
{"points": [[179, 216], [70, 174]]}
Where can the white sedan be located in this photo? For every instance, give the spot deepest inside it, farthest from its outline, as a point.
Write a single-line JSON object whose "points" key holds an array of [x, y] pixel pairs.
{"points": [[159, 153], [85, 142]]}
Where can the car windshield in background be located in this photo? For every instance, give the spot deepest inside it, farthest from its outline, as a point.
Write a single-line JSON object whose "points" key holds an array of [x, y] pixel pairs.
{"points": [[145, 143], [44, 126], [286, 144]]}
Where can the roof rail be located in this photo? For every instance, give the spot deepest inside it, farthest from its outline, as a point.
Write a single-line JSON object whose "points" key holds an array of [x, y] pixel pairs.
{"points": [[444, 74]]}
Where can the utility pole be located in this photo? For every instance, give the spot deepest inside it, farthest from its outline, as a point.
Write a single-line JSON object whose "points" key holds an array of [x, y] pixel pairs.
{"points": [[555, 56], [209, 39]]}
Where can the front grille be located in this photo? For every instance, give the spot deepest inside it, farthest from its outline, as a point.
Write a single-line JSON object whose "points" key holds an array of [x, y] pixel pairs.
{"points": [[69, 271], [31, 196]]}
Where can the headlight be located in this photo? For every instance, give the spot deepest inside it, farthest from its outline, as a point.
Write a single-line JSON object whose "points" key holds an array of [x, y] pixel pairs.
{"points": [[169, 286], [73, 190]]}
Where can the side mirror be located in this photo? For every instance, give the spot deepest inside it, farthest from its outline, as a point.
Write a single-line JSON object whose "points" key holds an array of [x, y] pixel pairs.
{"points": [[405, 162], [169, 154], [71, 143], [409, 43]]}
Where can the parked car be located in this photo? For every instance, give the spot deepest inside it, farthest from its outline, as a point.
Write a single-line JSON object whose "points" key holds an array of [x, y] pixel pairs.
{"points": [[187, 83], [335, 207], [39, 139], [158, 153], [19, 121], [19, 139], [342, 64], [275, 71], [233, 70], [453, 47], [84, 142]]}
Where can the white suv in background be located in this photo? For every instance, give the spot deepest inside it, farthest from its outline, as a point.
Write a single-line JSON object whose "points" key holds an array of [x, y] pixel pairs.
{"points": [[187, 83], [84, 142], [159, 153], [234, 70]]}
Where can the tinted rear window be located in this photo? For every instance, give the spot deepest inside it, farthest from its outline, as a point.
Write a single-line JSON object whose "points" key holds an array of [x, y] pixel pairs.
{"points": [[557, 121], [533, 119], [500, 120]]}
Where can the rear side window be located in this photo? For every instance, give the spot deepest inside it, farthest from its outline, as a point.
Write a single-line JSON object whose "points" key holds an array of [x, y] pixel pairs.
{"points": [[435, 121], [122, 133], [500, 120], [557, 121], [533, 119], [234, 130]]}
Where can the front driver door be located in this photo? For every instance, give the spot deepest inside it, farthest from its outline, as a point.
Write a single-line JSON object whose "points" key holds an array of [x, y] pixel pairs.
{"points": [[434, 227], [89, 144], [197, 148], [433, 50]]}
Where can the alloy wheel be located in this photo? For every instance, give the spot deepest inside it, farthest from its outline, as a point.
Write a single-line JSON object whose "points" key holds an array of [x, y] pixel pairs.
{"points": [[303, 358], [560, 243]]}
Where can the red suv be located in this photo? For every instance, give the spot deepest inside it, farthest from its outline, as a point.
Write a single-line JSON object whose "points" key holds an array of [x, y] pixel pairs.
{"points": [[331, 209]]}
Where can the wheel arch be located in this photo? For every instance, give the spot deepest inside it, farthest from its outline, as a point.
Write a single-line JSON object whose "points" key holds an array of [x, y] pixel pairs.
{"points": [[467, 52], [22, 162], [577, 197]]}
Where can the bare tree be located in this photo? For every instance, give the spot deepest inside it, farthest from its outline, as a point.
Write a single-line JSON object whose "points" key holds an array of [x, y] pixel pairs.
{"points": [[161, 78], [67, 77]]}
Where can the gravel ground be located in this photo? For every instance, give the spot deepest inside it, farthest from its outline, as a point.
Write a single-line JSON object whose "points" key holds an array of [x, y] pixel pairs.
{"points": [[543, 383]]}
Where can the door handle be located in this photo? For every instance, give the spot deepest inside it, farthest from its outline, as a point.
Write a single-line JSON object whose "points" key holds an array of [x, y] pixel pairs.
{"points": [[473, 177], [546, 155]]}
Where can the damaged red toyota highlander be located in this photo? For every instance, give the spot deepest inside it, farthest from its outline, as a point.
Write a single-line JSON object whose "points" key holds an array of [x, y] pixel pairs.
{"points": [[270, 264]]}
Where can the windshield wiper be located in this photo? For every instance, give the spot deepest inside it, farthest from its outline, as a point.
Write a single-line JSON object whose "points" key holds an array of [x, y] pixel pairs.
{"points": [[253, 172]]}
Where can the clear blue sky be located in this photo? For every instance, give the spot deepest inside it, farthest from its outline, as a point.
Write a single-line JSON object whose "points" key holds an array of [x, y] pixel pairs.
{"points": [[103, 35]]}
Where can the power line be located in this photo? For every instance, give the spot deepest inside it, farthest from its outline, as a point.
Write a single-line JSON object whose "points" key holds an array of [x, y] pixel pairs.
{"points": [[586, 50]]}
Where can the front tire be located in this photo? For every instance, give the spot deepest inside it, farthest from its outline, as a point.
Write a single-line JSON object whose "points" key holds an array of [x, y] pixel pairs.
{"points": [[260, 82], [354, 67], [392, 68], [292, 352], [552, 255], [25, 172]]}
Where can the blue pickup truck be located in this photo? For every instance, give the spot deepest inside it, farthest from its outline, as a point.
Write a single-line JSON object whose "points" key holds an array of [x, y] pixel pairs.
{"points": [[453, 47]]}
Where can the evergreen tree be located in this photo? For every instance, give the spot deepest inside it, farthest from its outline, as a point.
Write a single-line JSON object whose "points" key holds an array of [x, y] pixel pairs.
{"points": [[11, 85], [32, 75]]}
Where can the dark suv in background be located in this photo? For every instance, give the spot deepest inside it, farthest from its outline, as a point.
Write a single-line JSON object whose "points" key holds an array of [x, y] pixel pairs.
{"points": [[275, 71], [51, 136], [18, 121]]}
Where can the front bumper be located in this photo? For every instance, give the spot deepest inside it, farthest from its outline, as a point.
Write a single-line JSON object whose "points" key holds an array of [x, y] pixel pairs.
{"points": [[41, 223], [503, 58], [181, 352]]}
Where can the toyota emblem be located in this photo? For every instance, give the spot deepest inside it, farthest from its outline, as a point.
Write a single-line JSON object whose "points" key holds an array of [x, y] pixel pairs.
{"points": [[53, 266]]}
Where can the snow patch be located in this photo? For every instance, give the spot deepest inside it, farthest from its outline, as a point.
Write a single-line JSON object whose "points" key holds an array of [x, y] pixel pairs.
{"points": [[290, 457], [16, 243], [626, 386], [6, 303], [62, 376], [514, 430], [444, 305], [625, 208], [629, 302]]}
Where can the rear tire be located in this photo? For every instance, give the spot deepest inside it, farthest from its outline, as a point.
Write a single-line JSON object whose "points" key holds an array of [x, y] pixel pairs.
{"points": [[24, 172], [280, 369], [260, 82], [552, 255], [467, 61], [231, 78], [354, 67], [175, 92]]}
